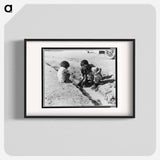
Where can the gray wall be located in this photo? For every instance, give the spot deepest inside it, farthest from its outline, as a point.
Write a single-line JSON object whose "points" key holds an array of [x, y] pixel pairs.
{"points": [[81, 136]]}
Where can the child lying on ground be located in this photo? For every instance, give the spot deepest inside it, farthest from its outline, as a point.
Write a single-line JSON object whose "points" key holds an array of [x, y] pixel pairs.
{"points": [[63, 72], [97, 76]]}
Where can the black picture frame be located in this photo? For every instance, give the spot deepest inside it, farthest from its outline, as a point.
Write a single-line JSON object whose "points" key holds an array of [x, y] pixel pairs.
{"points": [[25, 76]]}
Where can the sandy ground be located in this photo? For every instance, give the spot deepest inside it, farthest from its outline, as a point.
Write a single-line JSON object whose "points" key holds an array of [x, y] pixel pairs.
{"points": [[67, 94], [60, 94]]}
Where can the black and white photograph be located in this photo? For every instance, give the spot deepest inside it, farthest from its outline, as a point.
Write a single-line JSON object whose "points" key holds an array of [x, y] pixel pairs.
{"points": [[79, 77]]}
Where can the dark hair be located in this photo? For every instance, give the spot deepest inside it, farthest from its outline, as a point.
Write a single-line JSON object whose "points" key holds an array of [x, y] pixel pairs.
{"points": [[84, 62], [64, 64]]}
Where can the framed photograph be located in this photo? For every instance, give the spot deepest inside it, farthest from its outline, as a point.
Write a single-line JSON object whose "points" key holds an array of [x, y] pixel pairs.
{"points": [[79, 78]]}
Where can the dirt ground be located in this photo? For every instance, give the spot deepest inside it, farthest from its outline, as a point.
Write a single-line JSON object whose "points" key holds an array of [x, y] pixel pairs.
{"points": [[67, 94]]}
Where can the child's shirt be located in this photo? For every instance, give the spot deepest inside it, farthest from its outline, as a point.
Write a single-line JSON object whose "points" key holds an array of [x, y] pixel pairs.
{"points": [[62, 74]]}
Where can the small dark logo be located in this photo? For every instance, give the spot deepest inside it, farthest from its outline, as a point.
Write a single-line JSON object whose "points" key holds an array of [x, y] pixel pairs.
{"points": [[8, 8]]}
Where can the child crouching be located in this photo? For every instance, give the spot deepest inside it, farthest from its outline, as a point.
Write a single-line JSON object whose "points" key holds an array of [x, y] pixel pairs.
{"points": [[91, 75], [87, 76]]}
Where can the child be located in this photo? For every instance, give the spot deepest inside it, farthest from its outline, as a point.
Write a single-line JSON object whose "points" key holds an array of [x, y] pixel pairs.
{"points": [[87, 75], [63, 73], [97, 76]]}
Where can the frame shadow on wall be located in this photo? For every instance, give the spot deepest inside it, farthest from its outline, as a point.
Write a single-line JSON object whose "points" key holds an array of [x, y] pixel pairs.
{"points": [[17, 84]]}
